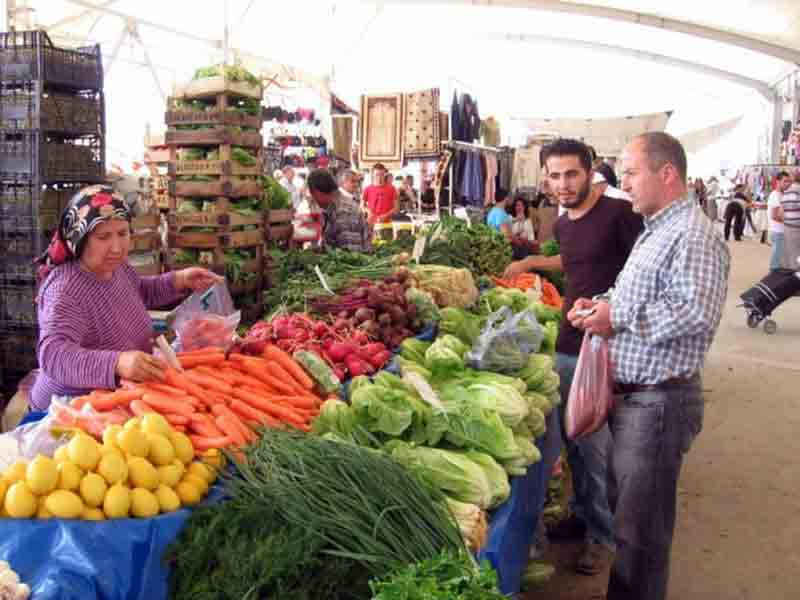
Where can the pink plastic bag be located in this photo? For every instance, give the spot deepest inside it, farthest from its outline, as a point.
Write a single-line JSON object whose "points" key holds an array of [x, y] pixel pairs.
{"points": [[591, 397]]}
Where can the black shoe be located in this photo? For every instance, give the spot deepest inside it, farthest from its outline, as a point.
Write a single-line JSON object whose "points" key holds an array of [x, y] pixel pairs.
{"points": [[592, 559], [571, 528]]}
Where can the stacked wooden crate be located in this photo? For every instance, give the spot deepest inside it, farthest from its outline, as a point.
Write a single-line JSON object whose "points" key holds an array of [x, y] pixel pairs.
{"points": [[211, 123]]}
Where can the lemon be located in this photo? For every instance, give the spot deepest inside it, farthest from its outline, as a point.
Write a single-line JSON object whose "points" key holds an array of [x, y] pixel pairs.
{"points": [[200, 483], [69, 476], [93, 514], [61, 454], [203, 471], [117, 503], [184, 450], [144, 504], [3, 490], [64, 504], [161, 450], [106, 449], [93, 489], [155, 423], [132, 424], [113, 468], [142, 474], [84, 452], [43, 512], [168, 500], [134, 442], [42, 475], [110, 434], [214, 458], [188, 493], [16, 472], [20, 503], [170, 475]]}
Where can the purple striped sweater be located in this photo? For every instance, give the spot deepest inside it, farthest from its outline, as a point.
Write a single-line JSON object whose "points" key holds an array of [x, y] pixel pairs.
{"points": [[86, 322]]}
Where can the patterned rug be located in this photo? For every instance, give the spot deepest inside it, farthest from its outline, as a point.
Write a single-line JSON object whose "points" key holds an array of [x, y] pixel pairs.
{"points": [[381, 129], [421, 130]]}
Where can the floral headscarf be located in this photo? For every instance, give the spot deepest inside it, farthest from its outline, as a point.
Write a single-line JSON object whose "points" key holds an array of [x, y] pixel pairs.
{"points": [[86, 210]]}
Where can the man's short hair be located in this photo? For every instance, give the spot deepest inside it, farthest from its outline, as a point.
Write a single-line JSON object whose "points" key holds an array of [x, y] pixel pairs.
{"points": [[320, 180], [347, 174], [662, 148], [783, 174], [410, 179], [568, 147], [378, 167], [608, 174], [500, 195]]}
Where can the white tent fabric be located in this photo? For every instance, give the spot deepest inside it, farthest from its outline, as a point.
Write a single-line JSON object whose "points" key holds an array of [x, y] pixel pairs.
{"points": [[524, 60]]}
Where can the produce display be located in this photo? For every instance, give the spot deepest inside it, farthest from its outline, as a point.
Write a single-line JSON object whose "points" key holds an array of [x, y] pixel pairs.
{"points": [[141, 469], [475, 247]]}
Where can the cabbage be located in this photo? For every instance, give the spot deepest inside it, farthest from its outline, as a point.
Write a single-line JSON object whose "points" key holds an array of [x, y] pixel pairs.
{"points": [[380, 410], [472, 523], [491, 378], [539, 402], [536, 422], [498, 479], [546, 314], [550, 336], [453, 473], [414, 350], [480, 429], [550, 385], [534, 373], [446, 355], [414, 367], [504, 399], [497, 297], [358, 382], [334, 417], [465, 326], [530, 455]]}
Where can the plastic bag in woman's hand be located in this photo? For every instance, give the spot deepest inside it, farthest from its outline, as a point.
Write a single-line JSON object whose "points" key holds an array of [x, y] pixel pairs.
{"points": [[591, 396], [506, 341], [206, 319]]}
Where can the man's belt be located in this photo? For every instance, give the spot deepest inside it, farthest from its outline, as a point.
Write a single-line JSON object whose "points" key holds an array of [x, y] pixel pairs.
{"points": [[636, 388]]}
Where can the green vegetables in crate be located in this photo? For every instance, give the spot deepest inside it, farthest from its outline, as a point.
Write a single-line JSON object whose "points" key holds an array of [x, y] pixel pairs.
{"points": [[275, 195], [248, 207], [477, 247], [235, 263], [243, 157], [231, 72]]}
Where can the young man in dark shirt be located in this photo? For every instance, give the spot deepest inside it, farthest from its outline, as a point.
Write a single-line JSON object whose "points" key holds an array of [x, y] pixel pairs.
{"points": [[596, 235]]}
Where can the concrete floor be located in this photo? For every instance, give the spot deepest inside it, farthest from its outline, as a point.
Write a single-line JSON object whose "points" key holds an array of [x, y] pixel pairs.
{"points": [[738, 531]]}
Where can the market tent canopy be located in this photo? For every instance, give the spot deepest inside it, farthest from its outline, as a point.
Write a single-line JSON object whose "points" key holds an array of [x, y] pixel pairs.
{"points": [[524, 59]]}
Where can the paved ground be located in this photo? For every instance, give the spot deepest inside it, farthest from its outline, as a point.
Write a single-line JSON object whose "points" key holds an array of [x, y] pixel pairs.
{"points": [[738, 531]]}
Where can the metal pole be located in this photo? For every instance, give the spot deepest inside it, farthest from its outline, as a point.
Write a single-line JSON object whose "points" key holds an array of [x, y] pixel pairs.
{"points": [[226, 36]]}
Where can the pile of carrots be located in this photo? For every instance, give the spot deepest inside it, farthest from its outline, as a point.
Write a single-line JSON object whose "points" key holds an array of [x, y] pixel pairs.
{"points": [[526, 281], [220, 401]]}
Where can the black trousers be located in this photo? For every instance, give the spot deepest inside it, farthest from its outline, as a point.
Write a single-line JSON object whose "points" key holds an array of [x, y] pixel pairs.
{"points": [[734, 216]]}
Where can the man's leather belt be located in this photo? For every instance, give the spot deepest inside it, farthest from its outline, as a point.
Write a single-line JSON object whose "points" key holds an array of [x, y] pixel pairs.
{"points": [[636, 388]]}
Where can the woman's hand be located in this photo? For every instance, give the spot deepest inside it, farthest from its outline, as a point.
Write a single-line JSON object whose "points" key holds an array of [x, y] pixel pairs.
{"points": [[140, 367], [196, 279]]}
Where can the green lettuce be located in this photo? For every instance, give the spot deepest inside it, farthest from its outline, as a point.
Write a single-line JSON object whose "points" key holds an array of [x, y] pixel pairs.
{"points": [[414, 350], [381, 411], [334, 417], [465, 326], [495, 474], [503, 399], [446, 355]]}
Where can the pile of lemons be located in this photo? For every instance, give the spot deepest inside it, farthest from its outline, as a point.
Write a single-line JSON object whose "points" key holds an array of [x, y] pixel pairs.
{"points": [[140, 470]]}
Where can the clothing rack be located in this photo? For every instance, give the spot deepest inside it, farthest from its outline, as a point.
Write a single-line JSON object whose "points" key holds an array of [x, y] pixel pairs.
{"points": [[456, 145]]}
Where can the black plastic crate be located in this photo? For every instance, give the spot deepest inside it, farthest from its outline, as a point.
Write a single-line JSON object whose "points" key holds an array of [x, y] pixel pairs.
{"points": [[23, 243], [18, 270], [31, 56], [18, 353], [17, 306], [33, 154], [29, 105]]}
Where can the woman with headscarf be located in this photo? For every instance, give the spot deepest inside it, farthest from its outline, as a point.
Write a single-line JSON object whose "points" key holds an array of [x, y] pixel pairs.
{"points": [[94, 328]]}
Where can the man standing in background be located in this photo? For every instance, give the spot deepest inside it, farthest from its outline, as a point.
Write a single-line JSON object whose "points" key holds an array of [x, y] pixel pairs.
{"points": [[775, 215], [380, 198], [287, 181], [790, 208]]}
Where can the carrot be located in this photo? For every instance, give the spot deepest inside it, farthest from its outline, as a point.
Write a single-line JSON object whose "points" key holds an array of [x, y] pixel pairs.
{"points": [[181, 428], [105, 403], [209, 382], [188, 362], [289, 365], [279, 373], [176, 419], [250, 413], [230, 430], [223, 411], [204, 426], [79, 402], [218, 373], [179, 380], [201, 351], [165, 389], [139, 408], [303, 402], [284, 413], [206, 443], [250, 381], [165, 404], [274, 382]]}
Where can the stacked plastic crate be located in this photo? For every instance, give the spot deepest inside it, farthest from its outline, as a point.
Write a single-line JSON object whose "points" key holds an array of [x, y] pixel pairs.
{"points": [[52, 142]]}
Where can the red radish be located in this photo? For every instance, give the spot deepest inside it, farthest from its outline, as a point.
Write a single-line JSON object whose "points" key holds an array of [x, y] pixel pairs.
{"points": [[357, 367], [338, 351], [380, 359]]}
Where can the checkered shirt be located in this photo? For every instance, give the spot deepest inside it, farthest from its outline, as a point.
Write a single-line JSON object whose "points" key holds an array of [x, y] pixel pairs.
{"points": [[667, 302]]}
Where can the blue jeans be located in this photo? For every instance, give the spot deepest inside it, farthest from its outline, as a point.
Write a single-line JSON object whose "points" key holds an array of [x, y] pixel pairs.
{"points": [[777, 250], [588, 460], [652, 431]]}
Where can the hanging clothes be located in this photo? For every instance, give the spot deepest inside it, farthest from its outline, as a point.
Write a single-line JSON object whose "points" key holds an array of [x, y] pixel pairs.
{"points": [[455, 118], [490, 132], [472, 187], [491, 178], [527, 168]]}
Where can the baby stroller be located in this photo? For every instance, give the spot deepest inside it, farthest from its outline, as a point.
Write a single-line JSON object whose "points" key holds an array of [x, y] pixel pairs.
{"points": [[768, 294]]}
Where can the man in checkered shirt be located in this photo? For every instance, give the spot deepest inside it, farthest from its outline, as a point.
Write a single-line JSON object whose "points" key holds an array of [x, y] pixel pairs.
{"points": [[660, 320]]}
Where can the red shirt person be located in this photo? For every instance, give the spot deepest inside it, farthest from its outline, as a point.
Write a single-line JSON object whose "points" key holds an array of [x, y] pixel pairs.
{"points": [[380, 198]]}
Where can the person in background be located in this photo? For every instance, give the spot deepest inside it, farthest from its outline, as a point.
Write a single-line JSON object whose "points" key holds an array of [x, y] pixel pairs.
{"points": [[606, 179], [523, 234], [595, 234], [660, 320], [734, 215], [775, 215], [344, 223], [94, 329], [711, 199], [700, 192], [348, 185], [380, 198], [287, 181], [790, 209], [409, 200], [498, 218]]}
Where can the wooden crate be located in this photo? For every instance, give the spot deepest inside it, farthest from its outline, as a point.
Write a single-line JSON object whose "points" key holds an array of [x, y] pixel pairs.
{"points": [[212, 117], [215, 167], [151, 221], [217, 239], [215, 86], [214, 137], [275, 217], [211, 219], [213, 189], [280, 233], [147, 241]]}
